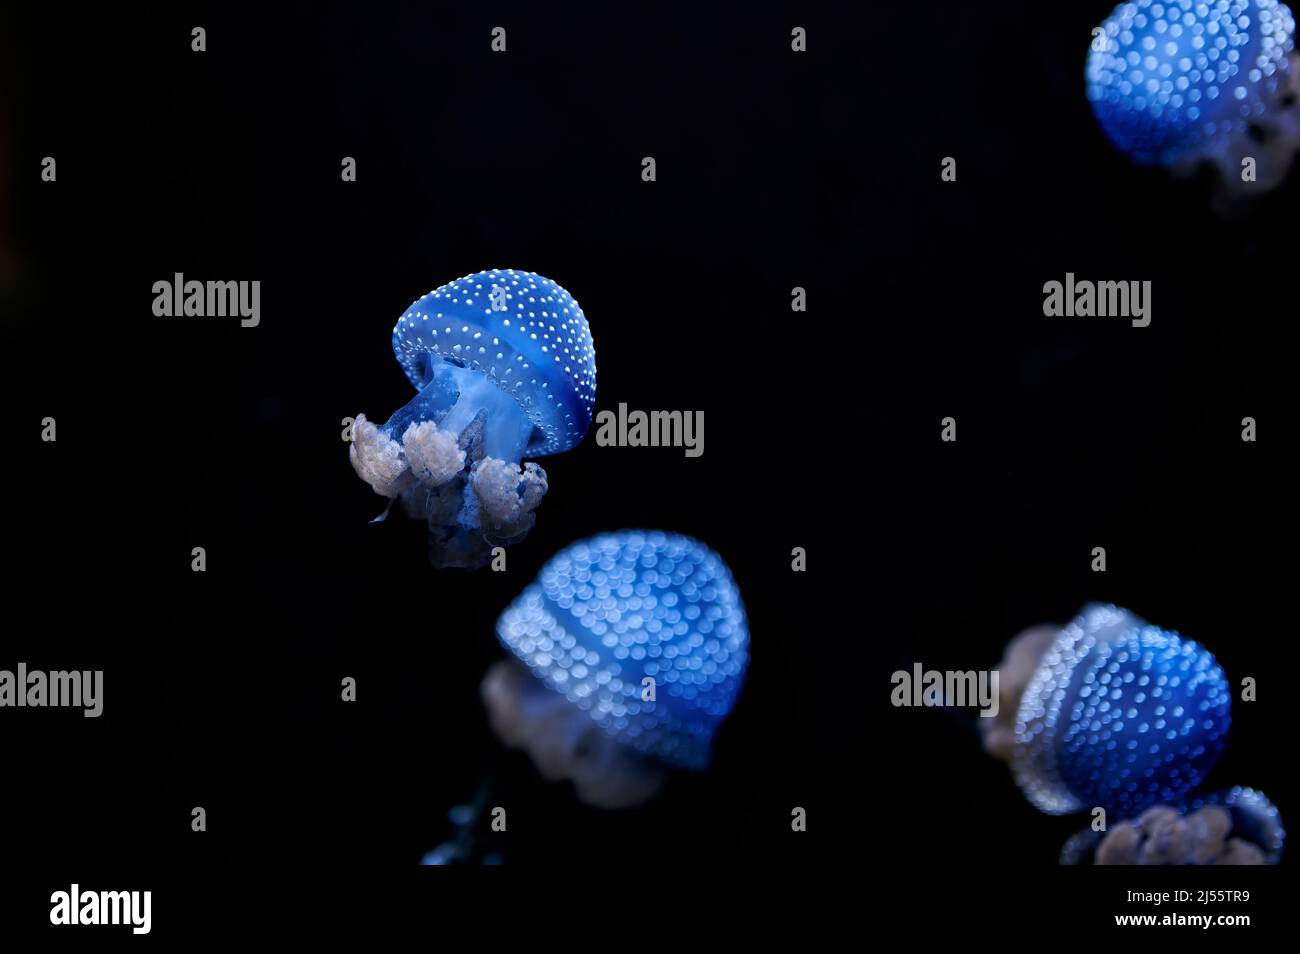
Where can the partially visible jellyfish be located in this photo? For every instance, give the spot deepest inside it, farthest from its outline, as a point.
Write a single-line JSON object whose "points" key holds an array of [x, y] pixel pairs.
{"points": [[504, 367], [1111, 712], [1019, 662], [1237, 827], [1179, 83], [462, 846], [1254, 818], [1118, 714], [629, 650]]}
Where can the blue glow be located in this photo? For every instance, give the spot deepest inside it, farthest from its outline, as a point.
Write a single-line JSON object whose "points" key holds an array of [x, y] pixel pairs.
{"points": [[606, 613], [1120, 715], [1174, 80]]}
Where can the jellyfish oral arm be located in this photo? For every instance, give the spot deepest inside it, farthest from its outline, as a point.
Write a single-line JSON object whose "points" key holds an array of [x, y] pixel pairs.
{"points": [[460, 430], [422, 437], [453, 398], [505, 493], [378, 459]]}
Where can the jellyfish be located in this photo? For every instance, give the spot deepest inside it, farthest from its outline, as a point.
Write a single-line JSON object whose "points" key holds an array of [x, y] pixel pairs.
{"points": [[1111, 712], [627, 653], [1179, 83], [1253, 818], [504, 368], [1237, 827], [1119, 715]]}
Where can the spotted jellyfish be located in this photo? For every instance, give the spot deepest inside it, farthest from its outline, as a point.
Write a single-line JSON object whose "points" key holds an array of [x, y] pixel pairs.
{"points": [[1111, 712], [504, 367], [1179, 83], [1237, 827], [628, 652]]}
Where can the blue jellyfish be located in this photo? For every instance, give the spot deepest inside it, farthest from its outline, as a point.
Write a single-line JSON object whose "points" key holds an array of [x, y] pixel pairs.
{"points": [[1254, 818], [1178, 82], [637, 645], [1120, 715], [1237, 827], [504, 368]]}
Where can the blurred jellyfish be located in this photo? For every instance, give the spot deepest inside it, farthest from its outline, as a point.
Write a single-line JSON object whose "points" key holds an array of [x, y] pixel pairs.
{"points": [[1118, 714], [1110, 712], [1019, 663], [1179, 83], [630, 649], [1254, 818], [504, 367], [1237, 827], [463, 847]]}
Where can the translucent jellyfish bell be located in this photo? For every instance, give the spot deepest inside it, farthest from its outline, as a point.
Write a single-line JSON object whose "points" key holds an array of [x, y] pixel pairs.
{"points": [[1120, 715], [1178, 82], [504, 366], [642, 631]]}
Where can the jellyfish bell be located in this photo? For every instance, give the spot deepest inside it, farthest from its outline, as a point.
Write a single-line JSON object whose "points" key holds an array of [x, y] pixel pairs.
{"points": [[629, 650], [1180, 83], [1119, 715], [511, 342], [504, 368]]}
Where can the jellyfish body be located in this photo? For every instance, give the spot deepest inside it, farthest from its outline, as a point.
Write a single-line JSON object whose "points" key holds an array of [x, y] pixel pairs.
{"points": [[1254, 818], [1236, 827], [1119, 715], [1177, 82], [504, 368], [644, 633]]}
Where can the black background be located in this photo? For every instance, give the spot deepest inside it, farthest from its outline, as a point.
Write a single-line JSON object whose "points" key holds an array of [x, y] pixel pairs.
{"points": [[774, 170]]}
